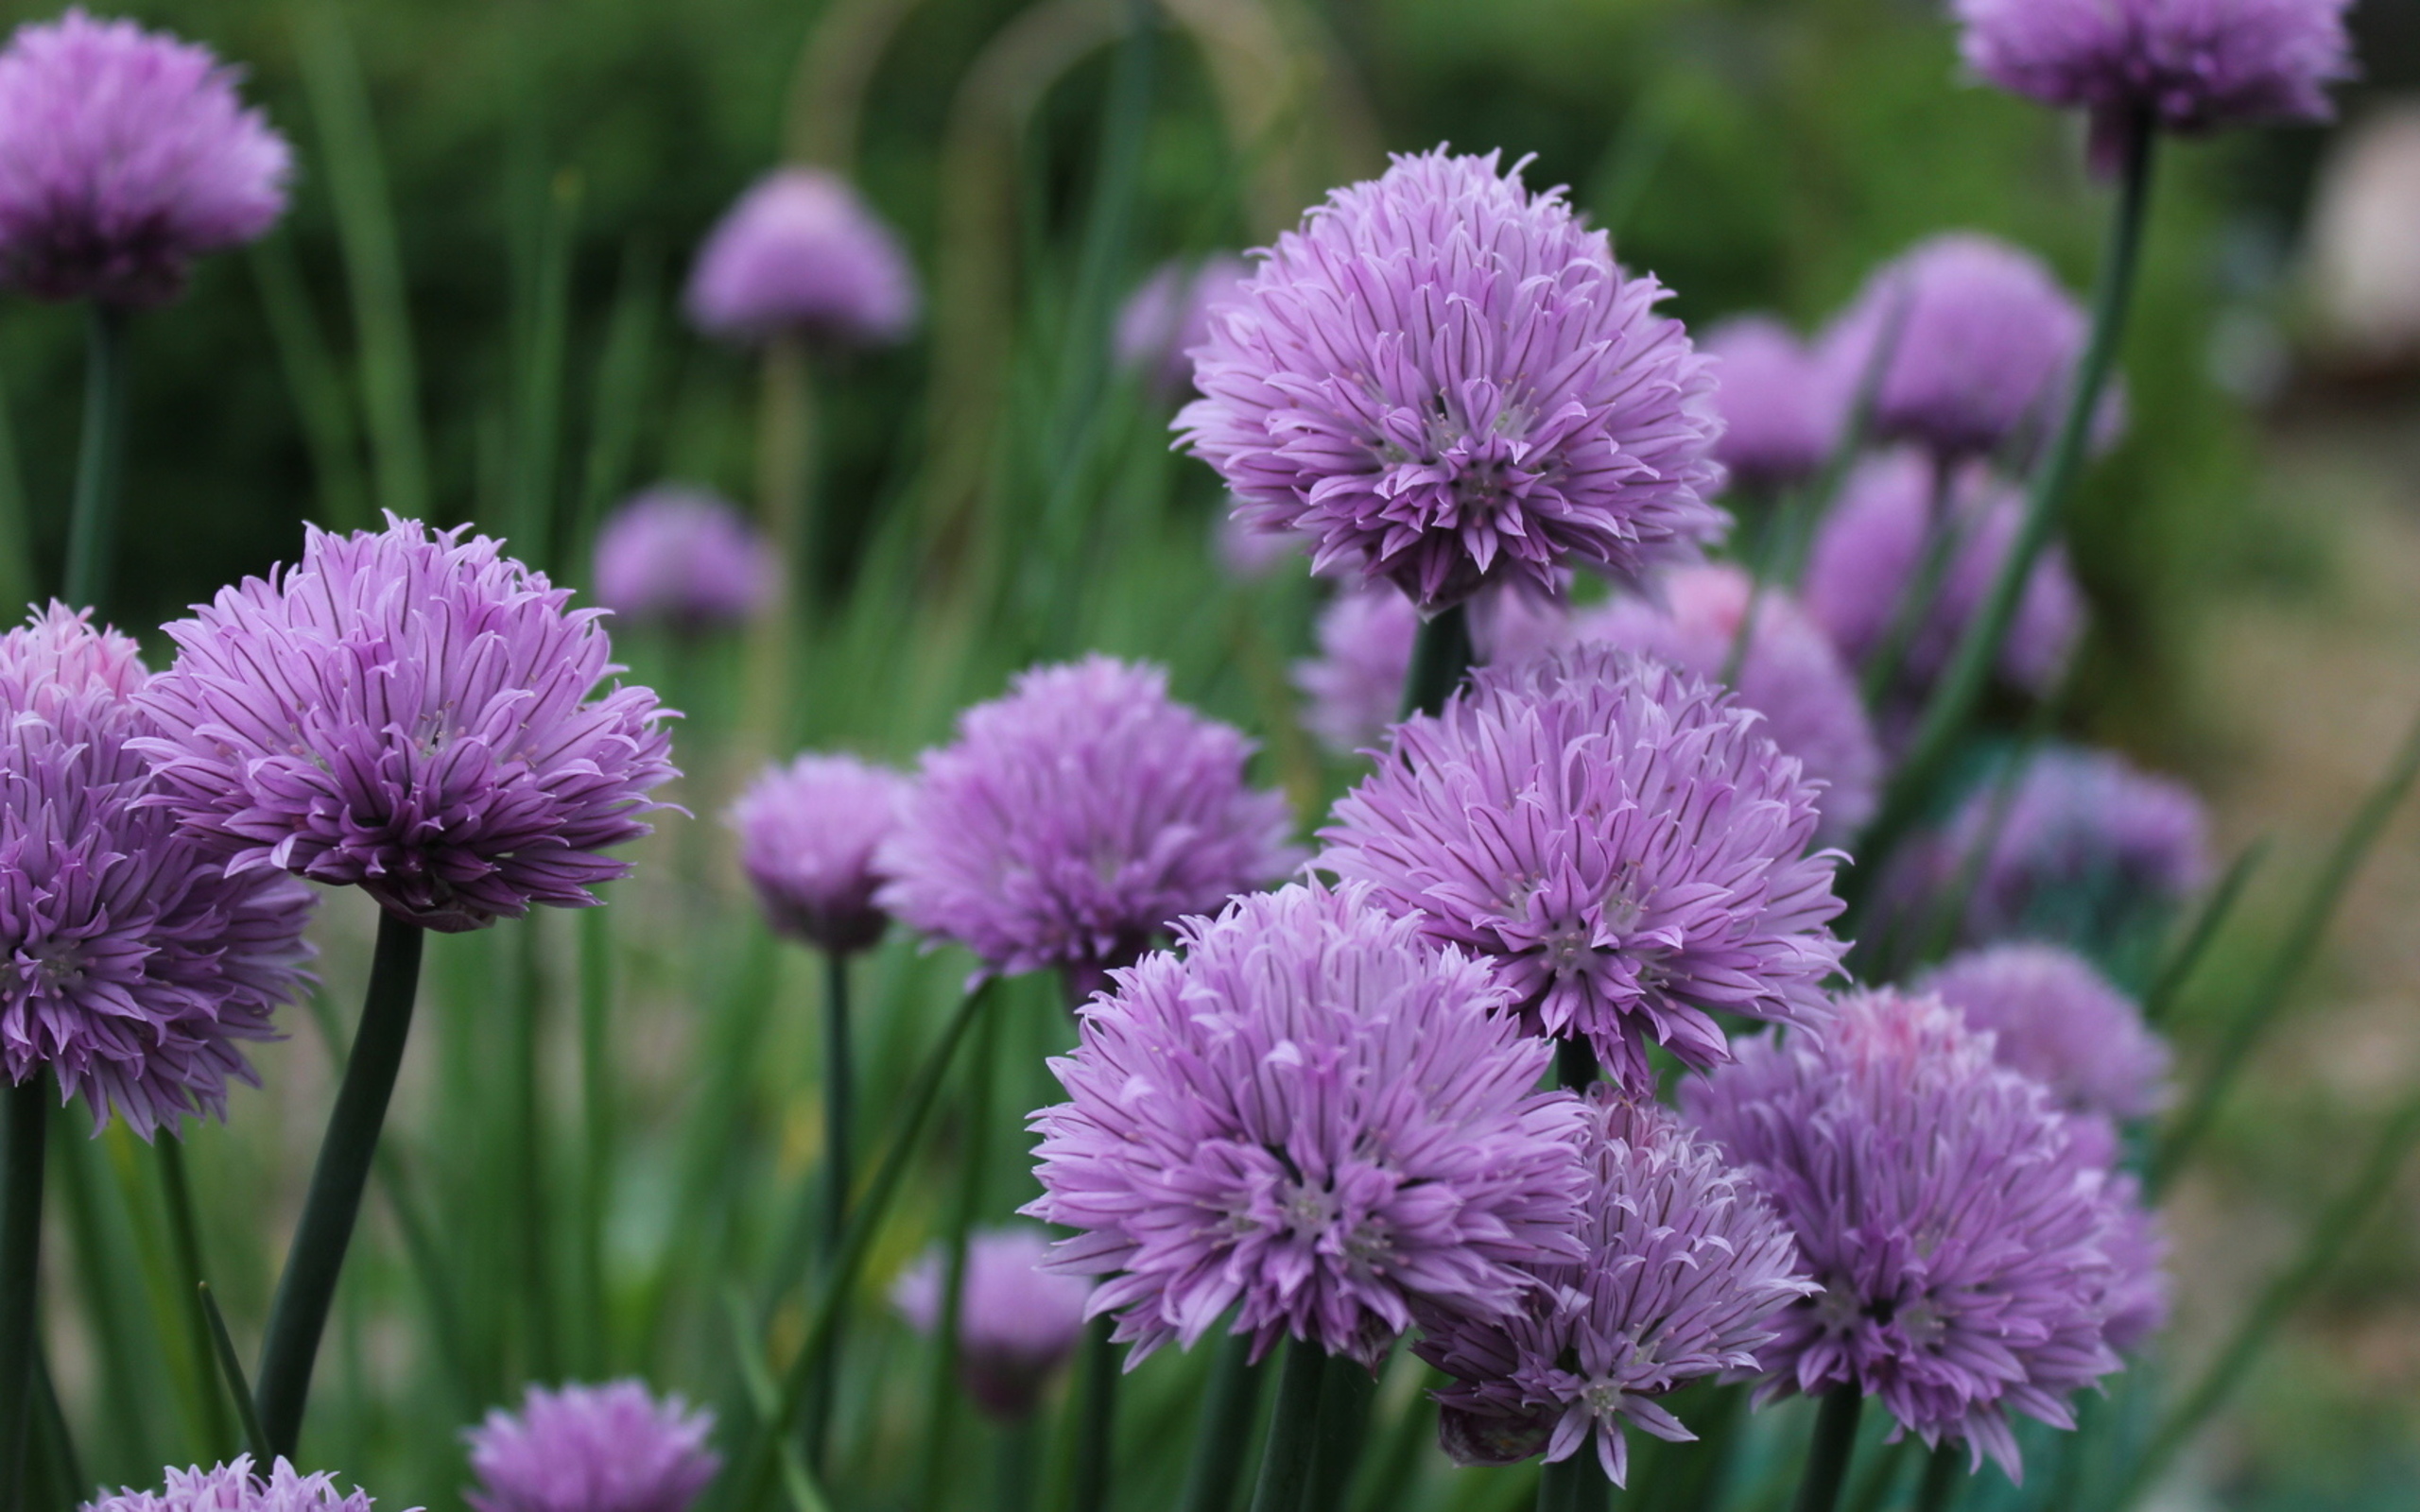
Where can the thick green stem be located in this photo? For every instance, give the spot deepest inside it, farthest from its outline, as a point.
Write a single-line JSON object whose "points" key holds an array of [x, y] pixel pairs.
{"points": [[838, 1174], [1828, 1455], [2159, 999], [184, 1242], [597, 1130], [1017, 1465], [54, 1444], [1096, 1430], [1439, 658], [100, 461], [1573, 1484], [1345, 1399], [948, 1322], [1574, 1063], [25, 1108], [533, 1231], [1294, 1432], [1221, 1443], [1945, 1477], [308, 1287]]}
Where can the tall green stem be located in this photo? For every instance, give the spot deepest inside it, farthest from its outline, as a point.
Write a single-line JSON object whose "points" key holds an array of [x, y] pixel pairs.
{"points": [[1345, 1398], [185, 1241], [946, 1323], [532, 1230], [308, 1287], [838, 1175], [1944, 1477], [1439, 658], [1225, 1435], [1828, 1456], [23, 1107], [597, 1130], [101, 461], [1096, 1430], [1294, 1432], [1573, 1484]]}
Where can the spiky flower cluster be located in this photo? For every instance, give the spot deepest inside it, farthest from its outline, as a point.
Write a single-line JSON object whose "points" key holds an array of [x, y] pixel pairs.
{"points": [[684, 557], [408, 713], [1017, 1322], [1960, 1234], [591, 1449], [1169, 315], [1076, 817], [803, 255], [234, 1487], [808, 832], [1686, 1266], [1623, 840], [2055, 1017], [134, 965], [1314, 1117], [1781, 416], [1444, 379], [124, 154]]}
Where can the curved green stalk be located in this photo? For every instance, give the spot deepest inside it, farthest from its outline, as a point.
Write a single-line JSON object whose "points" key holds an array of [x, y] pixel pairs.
{"points": [[100, 461], [24, 1106]]}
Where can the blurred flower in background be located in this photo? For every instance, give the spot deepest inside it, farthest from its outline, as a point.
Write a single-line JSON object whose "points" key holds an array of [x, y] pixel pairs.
{"points": [[2054, 1017], [612, 1448], [683, 557], [1017, 1322], [1781, 415], [808, 832], [802, 253], [1168, 316]]}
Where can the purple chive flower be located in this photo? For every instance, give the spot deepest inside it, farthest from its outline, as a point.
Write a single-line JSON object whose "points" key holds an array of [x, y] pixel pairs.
{"points": [[2140, 1296], [408, 712], [1983, 342], [1624, 841], [1685, 1268], [1959, 1233], [135, 965], [234, 1487], [1780, 420], [2189, 65], [1017, 1323], [1313, 1116], [1446, 380], [802, 253], [124, 154], [808, 836], [1871, 551], [1251, 555], [1352, 689], [684, 557], [2056, 1019], [1076, 817], [612, 1448], [1168, 316], [1790, 673]]}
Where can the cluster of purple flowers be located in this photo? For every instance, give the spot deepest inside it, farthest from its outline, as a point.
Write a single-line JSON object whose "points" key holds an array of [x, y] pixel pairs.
{"points": [[1018, 1320], [612, 1448], [684, 559]]}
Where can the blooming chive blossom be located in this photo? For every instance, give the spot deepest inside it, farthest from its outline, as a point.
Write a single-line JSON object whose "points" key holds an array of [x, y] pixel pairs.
{"points": [[684, 557], [1016, 1322], [1958, 1232], [135, 965], [1686, 1266], [1313, 1116], [1076, 817], [1446, 380], [234, 1487], [124, 155], [802, 253], [1982, 341], [409, 714], [1623, 840], [2056, 1019], [1789, 672], [1779, 422], [591, 1449], [1168, 316], [808, 836]]}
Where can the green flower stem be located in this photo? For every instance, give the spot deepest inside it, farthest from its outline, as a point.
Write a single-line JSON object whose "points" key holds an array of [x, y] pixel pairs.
{"points": [[308, 1287], [836, 1176], [596, 1133], [185, 1241], [1096, 1429], [1017, 1464], [532, 1231], [231, 1369], [1573, 1484], [1944, 541], [943, 1421], [1224, 1438], [1345, 1399], [1574, 1063], [54, 1444], [1828, 1455], [2159, 999], [24, 1109], [1945, 1481], [1294, 1432], [1439, 658], [101, 461], [1961, 687]]}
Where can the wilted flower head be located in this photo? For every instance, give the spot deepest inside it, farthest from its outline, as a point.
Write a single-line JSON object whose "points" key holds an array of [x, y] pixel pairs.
{"points": [[1078, 817], [1168, 316], [808, 836], [1789, 672], [1870, 555], [1686, 1266], [802, 253], [1445, 380], [234, 1487], [1982, 339], [410, 713], [1313, 1116], [2056, 1019], [1016, 1322], [135, 966], [682, 557], [1623, 840], [1959, 1233], [124, 155], [1780, 418], [591, 1449], [2188, 65]]}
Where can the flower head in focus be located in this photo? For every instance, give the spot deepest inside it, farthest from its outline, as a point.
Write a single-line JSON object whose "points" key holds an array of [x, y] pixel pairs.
{"points": [[124, 154], [410, 713], [684, 557], [612, 1448], [803, 253], [1622, 839], [2059, 1021], [234, 1487], [1169, 315], [1017, 1322], [1445, 380], [1686, 1266], [1780, 420], [1313, 1116], [808, 836], [136, 966], [1078, 817]]}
